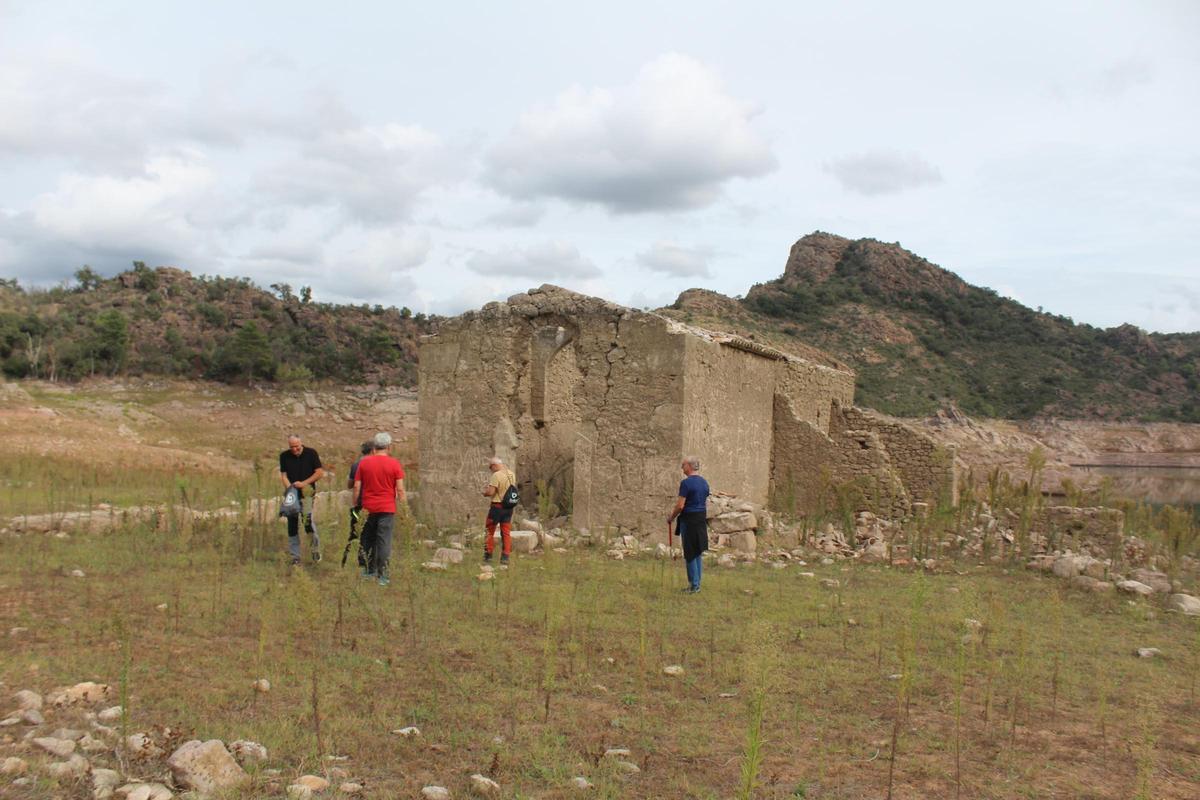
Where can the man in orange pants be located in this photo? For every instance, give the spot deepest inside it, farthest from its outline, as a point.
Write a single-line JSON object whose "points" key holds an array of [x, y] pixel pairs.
{"points": [[498, 514]]}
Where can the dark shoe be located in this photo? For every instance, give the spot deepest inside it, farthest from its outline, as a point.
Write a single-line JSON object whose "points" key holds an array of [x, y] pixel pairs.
{"points": [[694, 590], [295, 562], [316, 556], [385, 581], [486, 556], [503, 559]]}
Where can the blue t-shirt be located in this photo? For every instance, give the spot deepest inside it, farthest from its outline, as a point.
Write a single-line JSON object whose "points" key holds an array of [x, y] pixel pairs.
{"points": [[695, 491]]}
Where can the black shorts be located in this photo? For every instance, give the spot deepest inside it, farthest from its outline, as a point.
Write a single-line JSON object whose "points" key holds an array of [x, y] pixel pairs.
{"points": [[499, 514]]}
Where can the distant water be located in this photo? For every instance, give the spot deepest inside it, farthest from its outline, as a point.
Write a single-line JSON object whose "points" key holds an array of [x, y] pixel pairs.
{"points": [[1178, 486]]}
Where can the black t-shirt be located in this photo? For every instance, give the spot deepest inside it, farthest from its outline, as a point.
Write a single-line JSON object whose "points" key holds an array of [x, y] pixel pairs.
{"points": [[299, 467]]}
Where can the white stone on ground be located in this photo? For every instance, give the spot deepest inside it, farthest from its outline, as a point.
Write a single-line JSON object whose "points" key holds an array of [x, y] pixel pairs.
{"points": [[1185, 604], [104, 781], [617, 752], [1135, 587], [433, 566], [248, 752], [580, 782], [60, 748], [206, 767], [14, 766], [350, 788], [27, 700], [484, 786], [524, 541], [314, 782], [407, 732], [72, 769], [448, 555], [628, 767], [31, 716], [435, 793], [262, 686], [1148, 652], [674, 670], [144, 791], [110, 714]]}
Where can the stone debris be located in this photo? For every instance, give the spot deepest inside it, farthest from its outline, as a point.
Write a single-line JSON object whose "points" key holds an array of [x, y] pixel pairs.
{"points": [[410, 731], [617, 752], [448, 555], [485, 576], [673, 670], [524, 541], [1185, 604], [60, 748], [582, 783], [27, 700], [1148, 652], [1158, 581], [248, 752], [140, 745], [1135, 587], [350, 788], [484, 786], [830, 583], [13, 766], [435, 793], [77, 573], [87, 693], [207, 767], [32, 717], [110, 714], [144, 791], [298, 791], [73, 768], [628, 767], [104, 783], [262, 686], [313, 782], [434, 566]]}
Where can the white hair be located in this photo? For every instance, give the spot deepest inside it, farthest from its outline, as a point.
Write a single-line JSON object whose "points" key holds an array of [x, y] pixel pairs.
{"points": [[383, 440], [693, 462], [495, 460]]}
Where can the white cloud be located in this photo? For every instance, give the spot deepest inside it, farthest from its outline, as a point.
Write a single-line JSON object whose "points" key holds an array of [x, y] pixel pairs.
{"points": [[518, 215], [883, 172], [373, 174], [672, 259], [541, 261], [670, 140]]}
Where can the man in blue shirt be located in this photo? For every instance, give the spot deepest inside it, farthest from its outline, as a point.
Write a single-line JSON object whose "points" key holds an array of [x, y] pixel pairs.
{"points": [[691, 509]]}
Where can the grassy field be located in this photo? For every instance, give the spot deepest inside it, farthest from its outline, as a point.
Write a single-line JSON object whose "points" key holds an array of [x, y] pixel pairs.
{"points": [[790, 689]]}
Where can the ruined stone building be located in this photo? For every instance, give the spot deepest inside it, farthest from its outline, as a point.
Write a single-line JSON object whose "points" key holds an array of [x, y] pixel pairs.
{"points": [[597, 404]]}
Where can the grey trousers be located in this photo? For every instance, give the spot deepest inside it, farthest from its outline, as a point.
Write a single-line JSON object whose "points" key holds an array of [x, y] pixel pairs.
{"points": [[377, 541], [293, 524]]}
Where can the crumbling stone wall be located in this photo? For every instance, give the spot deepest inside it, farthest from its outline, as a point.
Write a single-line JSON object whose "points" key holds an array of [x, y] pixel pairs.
{"points": [[596, 404], [1098, 531], [926, 469]]}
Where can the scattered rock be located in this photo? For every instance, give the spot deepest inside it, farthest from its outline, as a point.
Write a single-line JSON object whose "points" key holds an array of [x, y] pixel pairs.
{"points": [[104, 782], [161, 607], [87, 693], [485, 576], [435, 793], [262, 686], [60, 748], [247, 752], [1158, 581], [524, 541], [617, 752], [140, 745], [1185, 604], [32, 717], [410, 731], [110, 714], [830, 583], [206, 767], [434, 566], [628, 767], [72, 769], [314, 782], [27, 700], [1135, 587], [1148, 652], [89, 744], [448, 555], [580, 782], [77, 573], [145, 791], [14, 766], [350, 788], [298, 791], [484, 786], [674, 670]]}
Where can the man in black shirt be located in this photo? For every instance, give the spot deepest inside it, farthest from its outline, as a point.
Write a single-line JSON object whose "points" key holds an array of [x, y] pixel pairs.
{"points": [[300, 466]]}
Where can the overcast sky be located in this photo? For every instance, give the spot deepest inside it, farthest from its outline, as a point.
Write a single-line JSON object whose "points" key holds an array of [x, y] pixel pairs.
{"points": [[440, 155]]}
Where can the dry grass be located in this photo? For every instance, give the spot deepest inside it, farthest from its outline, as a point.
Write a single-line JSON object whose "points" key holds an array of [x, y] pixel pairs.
{"points": [[531, 677]]}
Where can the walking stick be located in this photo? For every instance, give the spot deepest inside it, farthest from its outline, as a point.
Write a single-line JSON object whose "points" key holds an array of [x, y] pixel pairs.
{"points": [[669, 547], [353, 534]]}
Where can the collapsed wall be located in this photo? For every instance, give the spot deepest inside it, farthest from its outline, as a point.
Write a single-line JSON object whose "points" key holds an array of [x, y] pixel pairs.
{"points": [[594, 406]]}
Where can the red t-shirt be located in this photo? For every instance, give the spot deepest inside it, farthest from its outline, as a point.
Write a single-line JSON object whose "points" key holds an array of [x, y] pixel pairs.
{"points": [[379, 474]]}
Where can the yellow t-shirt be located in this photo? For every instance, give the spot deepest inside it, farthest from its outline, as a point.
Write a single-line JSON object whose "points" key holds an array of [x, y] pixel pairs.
{"points": [[501, 479]]}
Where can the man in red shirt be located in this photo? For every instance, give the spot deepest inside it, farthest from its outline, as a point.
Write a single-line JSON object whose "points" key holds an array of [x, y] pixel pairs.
{"points": [[378, 487]]}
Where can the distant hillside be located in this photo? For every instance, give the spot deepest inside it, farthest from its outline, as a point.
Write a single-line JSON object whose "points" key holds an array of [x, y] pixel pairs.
{"points": [[165, 321], [920, 337]]}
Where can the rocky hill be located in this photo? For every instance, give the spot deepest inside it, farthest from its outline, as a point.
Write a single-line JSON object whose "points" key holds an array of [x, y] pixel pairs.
{"points": [[165, 321], [921, 338]]}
